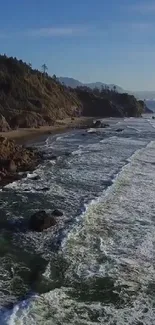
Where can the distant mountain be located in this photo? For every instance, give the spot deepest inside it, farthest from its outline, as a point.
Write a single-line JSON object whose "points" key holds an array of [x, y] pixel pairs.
{"points": [[73, 83], [151, 104], [70, 82], [144, 94]]}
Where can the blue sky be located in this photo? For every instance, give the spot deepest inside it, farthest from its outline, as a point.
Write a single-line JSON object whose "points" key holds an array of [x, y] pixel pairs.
{"points": [[112, 41]]}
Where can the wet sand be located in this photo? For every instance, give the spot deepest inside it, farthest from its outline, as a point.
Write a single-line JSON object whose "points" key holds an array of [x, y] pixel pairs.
{"points": [[27, 134]]}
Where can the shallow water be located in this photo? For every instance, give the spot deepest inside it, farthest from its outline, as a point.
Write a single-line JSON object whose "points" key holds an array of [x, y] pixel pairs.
{"points": [[96, 266]]}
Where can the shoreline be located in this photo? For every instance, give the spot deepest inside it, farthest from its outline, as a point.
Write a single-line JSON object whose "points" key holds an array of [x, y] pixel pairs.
{"points": [[22, 136]]}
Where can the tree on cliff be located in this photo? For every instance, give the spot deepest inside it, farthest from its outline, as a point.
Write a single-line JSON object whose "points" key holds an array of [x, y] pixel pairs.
{"points": [[44, 68], [54, 77]]}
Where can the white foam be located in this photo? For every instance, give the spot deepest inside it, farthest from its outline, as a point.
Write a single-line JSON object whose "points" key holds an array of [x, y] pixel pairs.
{"points": [[59, 138], [133, 128], [47, 141], [120, 212], [77, 152], [92, 130], [114, 239]]}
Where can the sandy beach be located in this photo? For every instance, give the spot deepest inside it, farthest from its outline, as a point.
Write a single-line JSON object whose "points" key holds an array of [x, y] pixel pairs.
{"points": [[26, 134]]}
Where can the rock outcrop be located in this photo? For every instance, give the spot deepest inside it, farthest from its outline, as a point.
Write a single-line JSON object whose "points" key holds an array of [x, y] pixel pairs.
{"points": [[40, 221], [15, 158], [4, 126], [27, 120], [99, 124]]}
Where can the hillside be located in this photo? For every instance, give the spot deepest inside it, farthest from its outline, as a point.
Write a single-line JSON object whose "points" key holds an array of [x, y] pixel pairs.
{"points": [[30, 98], [106, 102]]}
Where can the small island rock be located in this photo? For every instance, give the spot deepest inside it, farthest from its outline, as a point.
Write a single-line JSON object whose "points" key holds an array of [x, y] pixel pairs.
{"points": [[40, 221]]}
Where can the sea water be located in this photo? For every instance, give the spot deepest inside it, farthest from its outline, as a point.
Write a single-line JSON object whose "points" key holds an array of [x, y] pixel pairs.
{"points": [[96, 266]]}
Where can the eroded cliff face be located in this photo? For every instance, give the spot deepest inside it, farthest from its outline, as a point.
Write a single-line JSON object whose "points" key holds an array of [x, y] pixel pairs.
{"points": [[29, 98], [15, 158]]}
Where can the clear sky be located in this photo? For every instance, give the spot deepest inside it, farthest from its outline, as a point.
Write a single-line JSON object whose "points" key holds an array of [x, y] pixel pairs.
{"points": [[112, 41]]}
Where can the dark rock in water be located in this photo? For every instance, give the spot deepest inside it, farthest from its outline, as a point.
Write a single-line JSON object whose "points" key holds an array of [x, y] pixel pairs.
{"points": [[57, 213], [97, 124], [153, 117], [40, 221], [119, 130], [84, 134], [35, 178], [53, 157], [105, 125]]}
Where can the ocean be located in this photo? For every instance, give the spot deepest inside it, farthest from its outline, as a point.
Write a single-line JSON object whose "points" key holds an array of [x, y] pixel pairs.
{"points": [[97, 265]]}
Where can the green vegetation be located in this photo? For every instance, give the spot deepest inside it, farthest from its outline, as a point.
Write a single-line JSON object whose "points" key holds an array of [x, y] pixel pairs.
{"points": [[30, 98]]}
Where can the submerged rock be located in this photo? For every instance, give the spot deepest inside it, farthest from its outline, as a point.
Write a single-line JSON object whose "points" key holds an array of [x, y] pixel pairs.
{"points": [[44, 189], [105, 125], [53, 157], [57, 213], [40, 221], [67, 154], [119, 130], [35, 178]]}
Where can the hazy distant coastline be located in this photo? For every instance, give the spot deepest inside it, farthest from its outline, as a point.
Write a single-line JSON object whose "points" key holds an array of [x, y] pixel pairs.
{"points": [[73, 83]]}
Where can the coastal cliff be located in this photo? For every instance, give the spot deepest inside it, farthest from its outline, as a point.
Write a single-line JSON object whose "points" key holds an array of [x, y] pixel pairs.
{"points": [[31, 98]]}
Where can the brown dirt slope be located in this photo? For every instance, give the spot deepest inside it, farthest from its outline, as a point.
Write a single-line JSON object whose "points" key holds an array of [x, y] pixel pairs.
{"points": [[29, 98]]}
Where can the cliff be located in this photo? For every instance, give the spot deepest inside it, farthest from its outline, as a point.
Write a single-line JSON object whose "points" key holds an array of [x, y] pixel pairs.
{"points": [[30, 98], [108, 102]]}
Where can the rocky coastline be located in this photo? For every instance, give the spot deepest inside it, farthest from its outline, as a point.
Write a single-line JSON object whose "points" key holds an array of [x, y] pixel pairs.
{"points": [[15, 159]]}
